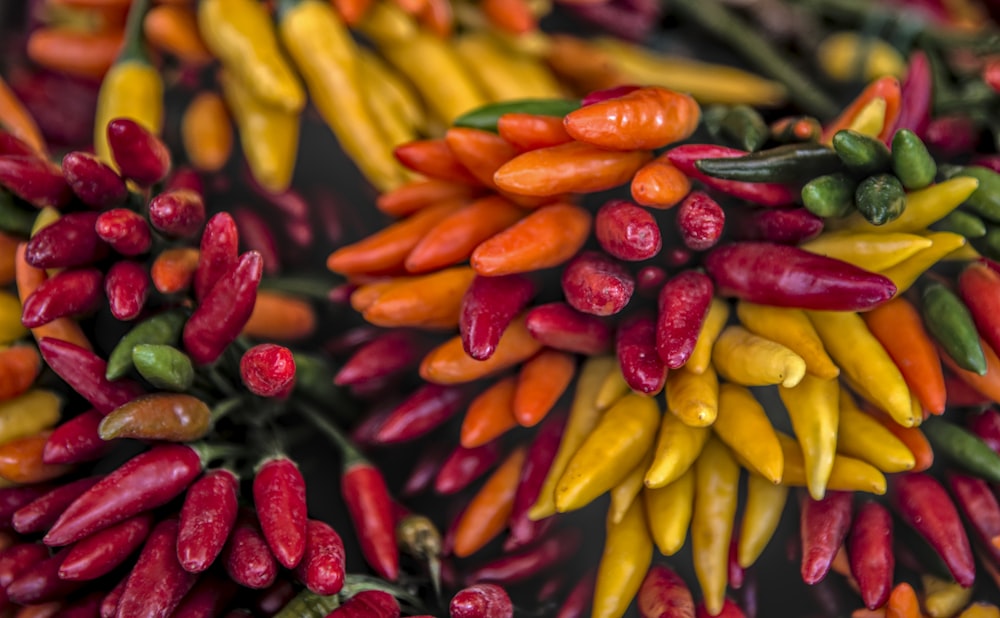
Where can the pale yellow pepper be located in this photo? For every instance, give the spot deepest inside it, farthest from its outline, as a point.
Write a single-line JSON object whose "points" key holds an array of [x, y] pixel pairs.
{"points": [[868, 250], [693, 397], [848, 55], [745, 358], [677, 447], [744, 426], [906, 273], [386, 23], [400, 95], [669, 509], [870, 119], [505, 74], [717, 478], [28, 414], [981, 610], [943, 599], [814, 407], [612, 389], [847, 474], [625, 492], [628, 550], [715, 321], [792, 329], [923, 208], [861, 436], [761, 515]]}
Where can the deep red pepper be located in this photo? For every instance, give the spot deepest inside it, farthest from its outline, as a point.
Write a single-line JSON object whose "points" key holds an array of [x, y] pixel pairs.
{"points": [[627, 231], [35, 180], [68, 293], [762, 193], [178, 214], [218, 254], [223, 311], [42, 512], [481, 601], [127, 288], [11, 145], [364, 432], [597, 284], [683, 305], [279, 495], [427, 408], [247, 558], [785, 226], [664, 595], [84, 372], [109, 604], [915, 96], [700, 221], [18, 559], [258, 235], [41, 583], [185, 177], [125, 231], [951, 136], [367, 497], [636, 349], [207, 599], [550, 589], [488, 307], [268, 370], [157, 583], [531, 561], [424, 470], [578, 599], [986, 425], [621, 21], [783, 276], [960, 394], [649, 280], [465, 465], [206, 519], [368, 604], [12, 499], [989, 161], [823, 526], [387, 355], [140, 155], [322, 567], [95, 183], [979, 286], [99, 553], [292, 209], [538, 461], [557, 325], [925, 506], [68, 242], [729, 610], [77, 440], [869, 549], [146, 481], [977, 502]]}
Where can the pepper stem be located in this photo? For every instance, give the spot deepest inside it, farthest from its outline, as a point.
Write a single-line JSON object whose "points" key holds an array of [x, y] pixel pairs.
{"points": [[224, 407], [352, 456], [132, 49], [355, 583], [211, 452]]}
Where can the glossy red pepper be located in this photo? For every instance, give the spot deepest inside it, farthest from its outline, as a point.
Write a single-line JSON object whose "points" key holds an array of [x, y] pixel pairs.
{"points": [[35, 180], [12, 145], [218, 254], [557, 325], [636, 349], [823, 527], [209, 597], [84, 372], [989, 161], [69, 242], [785, 226], [977, 502], [12, 499], [762, 193], [95, 183], [578, 599], [424, 470], [960, 394], [979, 286], [489, 305], [247, 558], [67, 294], [77, 440], [951, 136], [683, 305], [541, 454], [39, 514], [481, 601], [258, 235], [99, 553], [368, 604], [140, 155], [178, 214], [427, 408], [109, 604], [915, 96], [127, 287], [370, 507], [465, 465], [322, 567], [529, 562], [664, 595], [597, 284], [268, 370], [700, 221], [41, 583], [627, 231], [157, 583], [125, 231], [279, 495], [783, 276], [649, 280], [389, 354], [206, 519], [18, 559]]}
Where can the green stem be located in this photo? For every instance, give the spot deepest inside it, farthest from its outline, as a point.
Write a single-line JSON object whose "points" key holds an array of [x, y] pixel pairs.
{"points": [[224, 407], [351, 454], [316, 288], [133, 49], [355, 583], [211, 452]]}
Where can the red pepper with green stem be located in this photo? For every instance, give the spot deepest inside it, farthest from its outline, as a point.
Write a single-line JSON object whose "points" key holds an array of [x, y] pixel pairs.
{"points": [[101, 552], [761, 193], [824, 525], [84, 372], [870, 551], [538, 461], [157, 583], [206, 519], [70, 242], [68, 294]]}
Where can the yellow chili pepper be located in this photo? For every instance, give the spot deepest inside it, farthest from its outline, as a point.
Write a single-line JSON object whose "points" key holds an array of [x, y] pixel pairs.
{"points": [[863, 359], [715, 321], [669, 510], [906, 273], [847, 474], [132, 88], [677, 447], [504, 74], [612, 389], [206, 132], [923, 208], [385, 23], [740, 417], [868, 250], [861, 436], [942, 598], [240, 34], [870, 118], [761, 514], [717, 478], [28, 414], [625, 492], [628, 550], [814, 407], [742, 357], [45, 217], [851, 55], [269, 136], [399, 95], [692, 397], [792, 329], [583, 417], [965, 253], [980, 610], [11, 328], [619, 441]]}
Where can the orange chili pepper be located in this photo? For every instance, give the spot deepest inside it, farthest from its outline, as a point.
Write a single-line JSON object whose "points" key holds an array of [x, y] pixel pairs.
{"points": [[21, 460], [574, 167], [413, 196], [366, 295], [989, 383], [385, 251], [903, 602], [659, 184], [434, 159], [19, 366], [28, 278], [429, 301], [864, 612], [278, 317], [512, 16], [532, 131], [643, 119], [207, 132], [454, 238], [898, 327], [481, 152], [352, 11], [449, 364], [488, 511], [411, 7], [886, 87], [81, 54], [174, 30], [547, 237], [438, 18], [912, 437], [541, 383], [8, 253], [491, 414], [582, 64], [16, 120], [173, 269]]}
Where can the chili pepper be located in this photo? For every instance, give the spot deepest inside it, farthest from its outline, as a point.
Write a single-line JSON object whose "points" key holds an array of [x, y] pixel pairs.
{"points": [[792, 329], [861, 436], [160, 330], [628, 551], [489, 510], [559, 326], [42, 512], [677, 447], [24, 415], [644, 119], [76, 440], [426, 301], [739, 415], [686, 157], [693, 397], [786, 163], [18, 120], [481, 600], [531, 562], [830, 196], [247, 558], [174, 417], [179, 213], [787, 226], [84, 372], [279, 495], [923, 207], [871, 554], [539, 461], [683, 304], [824, 525], [911, 162], [664, 594], [18, 559], [19, 366], [659, 184], [464, 466], [627, 232], [488, 306], [124, 230], [750, 360], [449, 364], [35, 180], [69, 293], [419, 194], [597, 284], [574, 167], [480, 152], [126, 286], [223, 311], [218, 254], [729, 610], [716, 477], [813, 406], [424, 410], [986, 425], [173, 270], [268, 370], [487, 117], [880, 198], [40, 583], [12, 499], [578, 599], [963, 223], [906, 273], [21, 460], [206, 131], [637, 355], [951, 325], [206, 519], [964, 448], [101, 552], [137, 152], [374, 603], [109, 604], [209, 597], [435, 159], [515, 250], [455, 237], [915, 99], [761, 515], [71, 241], [174, 30], [427, 465], [280, 317], [28, 279], [863, 155], [976, 501], [322, 566], [528, 131], [700, 220], [157, 583]]}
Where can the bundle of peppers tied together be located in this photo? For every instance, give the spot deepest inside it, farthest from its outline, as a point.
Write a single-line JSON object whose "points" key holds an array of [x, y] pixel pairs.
{"points": [[819, 311]]}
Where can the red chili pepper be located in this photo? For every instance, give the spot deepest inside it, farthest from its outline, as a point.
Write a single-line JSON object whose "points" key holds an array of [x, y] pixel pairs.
{"points": [[538, 461], [464, 466], [12, 499], [223, 311], [427, 408], [84, 372], [608, 93], [481, 601], [961, 395], [109, 604], [146, 481], [989, 161], [531, 561], [279, 495], [636, 348], [270, 601], [42, 512], [69, 242], [823, 525], [207, 599], [979, 287], [19, 559], [729, 610], [488, 307], [77, 440], [96, 184], [258, 235], [424, 470], [178, 214], [762, 193], [976, 501], [11, 145], [35, 180], [986, 425], [700, 221], [322, 567], [41, 583], [683, 305], [218, 255], [69, 293], [268, 370], [363, 489], [157, 582], [185, 177], [99, 553], [915, 96], [140, 155], [785, 226], [385, 356], [206, 519], [127, 288], [771, 274], [649, 280], [125, 231], [597, 284], [951, 136], [626, 231], [664, 595], [578, 599], [368, 604], [557, 325], [247, 558], [925, 506], [736, 573]]}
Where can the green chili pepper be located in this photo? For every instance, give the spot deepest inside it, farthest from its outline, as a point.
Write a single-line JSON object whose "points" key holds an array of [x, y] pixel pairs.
{"points": [[989, 245], [961, 222], [163, 366], [173, 417], [951, 325], [740, 125], [880, 198], [830, 196], [14, 219], [964, 448], [308, 604], [911, 161], [786, 163], [863, 155], [986, 199], [164, 329], [485, 117]]}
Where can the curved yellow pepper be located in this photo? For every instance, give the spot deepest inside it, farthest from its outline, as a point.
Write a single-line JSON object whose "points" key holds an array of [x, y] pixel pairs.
{"points": [[861, 436], [717, 479], [742, 357], [677, 447], [839, 56], [980, 610], [504, 74], [870, 119], [11, 328], [613, 388], [28, 414], [792, 329], [669, 510], [131, 89], [398, 94], [923, 208], [692, 397], [715, 321], [868, 250], [628, 550], [745, 428], [848, 473], [908, 271], [943, 598], [814, 407], [761, 515], [624, 493]]}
